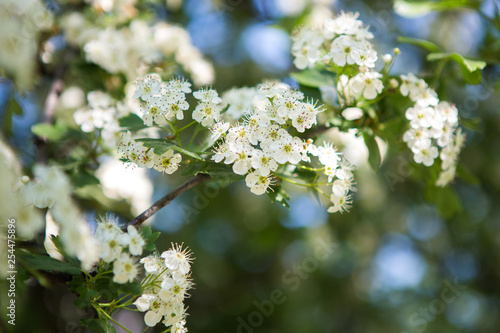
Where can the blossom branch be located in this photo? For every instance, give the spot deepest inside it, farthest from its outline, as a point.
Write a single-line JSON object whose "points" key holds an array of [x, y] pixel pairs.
{"points": [[165, 200]]}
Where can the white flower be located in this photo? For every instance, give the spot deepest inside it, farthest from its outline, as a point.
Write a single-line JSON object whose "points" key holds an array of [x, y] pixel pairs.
{"points": [[152, 264], [157, 310], [238, 101], [180, 85], [425, 155], [173, 290], [446, 176], [264, 162], [257, 182], [206, 113], [177, 259], [168, 162], [340, 203], [147, 87], [420, 116], [368, 84], [207, 96], [219, 129], [110, 250], [144, 302], [288, 149], [352, 113], [135, 241], [306, 47], [342, 50], [124, 269], [347, 24]]}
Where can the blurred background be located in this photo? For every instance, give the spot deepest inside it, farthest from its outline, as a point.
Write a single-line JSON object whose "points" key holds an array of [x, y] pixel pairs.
{"points": [[394, 264]]}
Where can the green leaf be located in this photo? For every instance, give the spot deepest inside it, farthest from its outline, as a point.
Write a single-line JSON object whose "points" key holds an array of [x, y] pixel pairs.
{"points": [[422, 43], [446, 200], [471, 69], [220, 172], [278, 194], [132, 288], [14, 107], [149, 237], [408, 8], [98, 325], [83, 177], [465, 174], [50, 132], [373, 151], [132, 122], [46, 263], [473, 123], [60, 248], [312, 78], [161, 146]]}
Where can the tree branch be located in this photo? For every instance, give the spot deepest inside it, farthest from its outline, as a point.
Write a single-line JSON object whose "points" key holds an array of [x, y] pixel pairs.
{"points": [[198, 179]]}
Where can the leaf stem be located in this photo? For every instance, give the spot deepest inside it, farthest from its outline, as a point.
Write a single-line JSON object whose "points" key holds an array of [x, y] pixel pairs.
{"points": [[188, 125], [114, 321]]}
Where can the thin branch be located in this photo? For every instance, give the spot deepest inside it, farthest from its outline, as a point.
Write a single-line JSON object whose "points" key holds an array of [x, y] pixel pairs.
{"points": [[198, 179], [55, 91]]}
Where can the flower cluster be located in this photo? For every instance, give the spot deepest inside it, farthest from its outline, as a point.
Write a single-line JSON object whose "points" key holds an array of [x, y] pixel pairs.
{"points": [[260, 143], [51, 189], [118, 247], [162, 101], [136, 153], [238, 102], [256, 139], [433, 127], [101, 114], [139, 44], [342, 41], [166, 283], [21, 24]]}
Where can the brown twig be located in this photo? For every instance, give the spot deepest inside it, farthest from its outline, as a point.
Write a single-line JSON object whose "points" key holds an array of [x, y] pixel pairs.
{"points": [[165, 200]]}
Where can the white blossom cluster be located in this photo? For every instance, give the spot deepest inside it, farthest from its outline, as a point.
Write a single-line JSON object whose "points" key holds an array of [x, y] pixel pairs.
{"points": [[51, 189], [238, 101], [168, 278], [136, 153], [342, 41], [21, 23], [101, 114], [162, 101], [433, 128], [259, 144], [138, 43], [255, 140], [119, 247]]}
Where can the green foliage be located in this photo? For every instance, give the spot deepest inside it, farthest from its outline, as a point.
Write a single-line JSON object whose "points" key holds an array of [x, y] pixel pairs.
{"points": [[99, 325], [161, 146], [50, 132], [278, 194], [220, 173], [373, 151], [149, 237], [312, 78], [445, 199], [409, 8], [11, 109], [46, 263], [422, 43], [471, 69], [132, 122]]}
